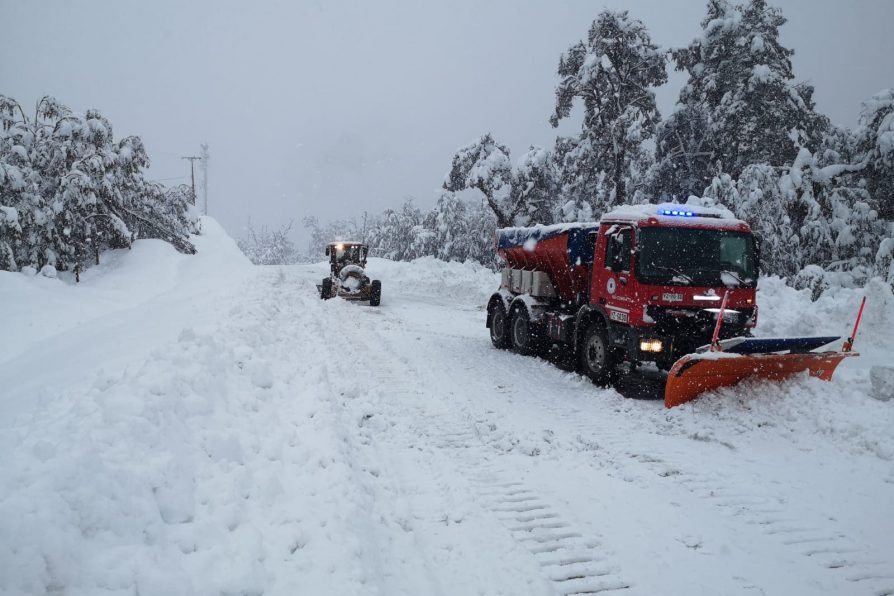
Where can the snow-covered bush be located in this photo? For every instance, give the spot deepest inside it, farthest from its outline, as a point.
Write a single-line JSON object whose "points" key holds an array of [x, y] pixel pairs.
{"points": [[813, 278], [10, 232]]}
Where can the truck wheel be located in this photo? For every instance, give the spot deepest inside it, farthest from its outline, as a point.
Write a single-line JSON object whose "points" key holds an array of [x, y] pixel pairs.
{"points": [[597, 360], [520, 337], [375, 293], [499, 327], [326, 288]]}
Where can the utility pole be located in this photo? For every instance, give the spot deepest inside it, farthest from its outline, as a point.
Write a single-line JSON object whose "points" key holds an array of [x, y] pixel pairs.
{"points": [[205, 173], [192, 173]]}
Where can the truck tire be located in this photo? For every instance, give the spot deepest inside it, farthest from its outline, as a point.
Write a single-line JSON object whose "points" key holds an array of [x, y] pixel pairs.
{"points": [[596, 359], [499, 327], [375, 293], [521, 336], [326, 288]]}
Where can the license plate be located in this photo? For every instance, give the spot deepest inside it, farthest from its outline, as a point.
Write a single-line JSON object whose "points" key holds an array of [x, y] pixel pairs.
{"points": [[672, 297], [619, 316]]}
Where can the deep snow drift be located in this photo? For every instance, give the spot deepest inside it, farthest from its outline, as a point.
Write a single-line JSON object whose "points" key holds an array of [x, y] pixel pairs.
{"points": [[195, 425]]}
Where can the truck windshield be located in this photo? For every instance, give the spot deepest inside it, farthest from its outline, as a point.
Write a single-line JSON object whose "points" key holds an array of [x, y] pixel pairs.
{"points": [[686, 256]]}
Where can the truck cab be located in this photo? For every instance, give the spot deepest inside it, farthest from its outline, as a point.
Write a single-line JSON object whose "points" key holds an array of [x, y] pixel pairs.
{"points": [[644, 283], [658, 278]]}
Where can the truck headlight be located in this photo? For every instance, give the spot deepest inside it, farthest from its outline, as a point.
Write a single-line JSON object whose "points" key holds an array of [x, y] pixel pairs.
{"points": [[650, 345]]}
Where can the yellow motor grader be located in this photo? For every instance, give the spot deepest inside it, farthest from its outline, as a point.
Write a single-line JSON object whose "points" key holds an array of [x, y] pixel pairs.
{"points": [[347, 275]]}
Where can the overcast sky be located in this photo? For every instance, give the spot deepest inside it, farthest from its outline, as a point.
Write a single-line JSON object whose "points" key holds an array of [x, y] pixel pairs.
{"points": [[330, 108]]}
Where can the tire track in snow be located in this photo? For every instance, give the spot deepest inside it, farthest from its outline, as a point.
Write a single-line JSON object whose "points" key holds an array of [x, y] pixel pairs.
{"points": [[829, 548], [767, 511], [573, 562]]}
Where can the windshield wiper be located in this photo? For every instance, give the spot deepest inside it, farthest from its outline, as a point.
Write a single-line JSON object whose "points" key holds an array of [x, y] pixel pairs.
{"points": [[677, 271], [734, 275]]}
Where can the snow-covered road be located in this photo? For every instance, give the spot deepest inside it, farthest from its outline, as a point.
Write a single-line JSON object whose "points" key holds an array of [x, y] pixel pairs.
{"points": [[281, 444]]}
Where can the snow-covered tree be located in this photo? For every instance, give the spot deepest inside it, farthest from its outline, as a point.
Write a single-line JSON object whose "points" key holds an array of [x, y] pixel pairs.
{"points": [[485, 165], [612, 73], [875, 146], [449, 223], [857, 233], [481, 228], [400, 234], [764, 206], [535, 187], [741, 75], [723, 190], [683, 154]]}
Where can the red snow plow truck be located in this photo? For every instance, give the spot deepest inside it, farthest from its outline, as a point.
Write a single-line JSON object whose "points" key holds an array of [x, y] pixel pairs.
{"points": [[670, 284]]}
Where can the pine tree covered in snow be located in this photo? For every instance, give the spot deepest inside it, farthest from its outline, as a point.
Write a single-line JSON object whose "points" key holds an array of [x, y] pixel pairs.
{"points": [[740, 77], [611, 73], [807, 210], [875, 145], [683, 155], [764, 206], [76, 192]]}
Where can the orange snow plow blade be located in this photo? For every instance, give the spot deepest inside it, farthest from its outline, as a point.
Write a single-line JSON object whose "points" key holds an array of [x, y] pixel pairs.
{"points": [[695, 374]]}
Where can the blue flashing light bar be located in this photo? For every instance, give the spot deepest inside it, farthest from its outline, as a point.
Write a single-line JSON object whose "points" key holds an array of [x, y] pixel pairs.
{"points": [[676, 213]]}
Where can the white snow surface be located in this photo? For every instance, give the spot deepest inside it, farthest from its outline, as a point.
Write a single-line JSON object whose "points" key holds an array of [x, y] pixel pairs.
{"points": [[196, 425]]}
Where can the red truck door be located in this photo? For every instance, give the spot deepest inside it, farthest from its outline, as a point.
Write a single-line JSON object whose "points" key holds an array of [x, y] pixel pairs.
{"points": [[613, 286]]}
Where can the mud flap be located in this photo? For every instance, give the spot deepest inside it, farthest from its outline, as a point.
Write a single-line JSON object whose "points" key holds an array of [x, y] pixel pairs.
{"points": [[694, 374]]}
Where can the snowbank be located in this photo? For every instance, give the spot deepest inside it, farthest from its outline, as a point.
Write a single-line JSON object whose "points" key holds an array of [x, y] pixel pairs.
{"points": [[428, 276], [36, 307], [440, 279], [785, 311]]}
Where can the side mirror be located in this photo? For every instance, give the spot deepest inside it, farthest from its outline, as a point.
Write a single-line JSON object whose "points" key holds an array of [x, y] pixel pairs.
{"points": [[327, 251]]}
